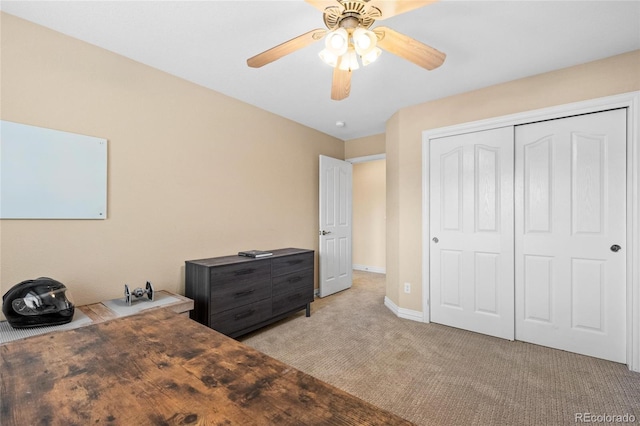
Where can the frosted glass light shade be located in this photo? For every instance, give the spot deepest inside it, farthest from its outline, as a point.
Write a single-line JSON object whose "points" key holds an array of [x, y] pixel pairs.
{"points": [[364, 41], [349, 61], [371, 56], [328, 58], [337, 42]]}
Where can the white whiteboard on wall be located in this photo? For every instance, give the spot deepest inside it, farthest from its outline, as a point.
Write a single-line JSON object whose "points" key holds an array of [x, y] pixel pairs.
{"points": [[49, 174]]}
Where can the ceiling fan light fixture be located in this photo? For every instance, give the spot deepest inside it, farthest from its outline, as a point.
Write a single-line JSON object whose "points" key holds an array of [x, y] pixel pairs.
{"points": [[328, 58], [349, 42], [371, 56], [349, 61], [337, 42], [364, 41]]}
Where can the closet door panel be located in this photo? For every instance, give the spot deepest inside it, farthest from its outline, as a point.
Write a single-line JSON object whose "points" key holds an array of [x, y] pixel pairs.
{"points": [[471, 232], [570, 201]]}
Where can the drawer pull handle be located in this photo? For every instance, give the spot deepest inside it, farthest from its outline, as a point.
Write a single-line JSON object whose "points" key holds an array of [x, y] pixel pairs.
{"points": [[294, 279], [245, 314], [244, 293], [295, 262], [245, 271]]}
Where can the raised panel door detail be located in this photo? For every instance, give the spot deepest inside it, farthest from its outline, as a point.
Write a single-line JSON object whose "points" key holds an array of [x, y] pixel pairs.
{"points": [[538, 282], [451, 262], [587, 294], [487, 189], [537, 185], [330, 250], [587, 183], [330, 207], [486, 268], [344, 185], [451, 201], [343, 267]]}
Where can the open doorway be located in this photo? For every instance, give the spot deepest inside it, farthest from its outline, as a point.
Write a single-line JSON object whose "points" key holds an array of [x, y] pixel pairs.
{"points": [[369, 214]]}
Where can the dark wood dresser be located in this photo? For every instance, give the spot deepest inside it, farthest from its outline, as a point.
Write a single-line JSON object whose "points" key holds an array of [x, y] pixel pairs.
{"points": [[236, 295]]}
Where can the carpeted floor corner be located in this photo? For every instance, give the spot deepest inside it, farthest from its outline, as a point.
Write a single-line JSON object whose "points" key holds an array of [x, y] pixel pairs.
{"points": [[436, 375]]}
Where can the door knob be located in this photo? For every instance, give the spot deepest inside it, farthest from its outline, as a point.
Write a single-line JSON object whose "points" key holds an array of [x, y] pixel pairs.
{"points": [[615, 248], [323, 232], [435, 240]]}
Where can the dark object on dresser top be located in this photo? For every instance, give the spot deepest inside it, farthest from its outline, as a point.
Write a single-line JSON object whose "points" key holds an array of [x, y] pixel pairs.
{"points": [[236, 295]]}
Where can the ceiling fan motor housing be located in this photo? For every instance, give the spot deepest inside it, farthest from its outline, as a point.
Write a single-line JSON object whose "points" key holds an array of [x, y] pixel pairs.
{"points": [[353, 14]]}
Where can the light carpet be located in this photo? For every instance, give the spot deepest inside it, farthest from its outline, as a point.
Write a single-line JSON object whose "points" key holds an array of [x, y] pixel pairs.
{"points": [[431, 374]]}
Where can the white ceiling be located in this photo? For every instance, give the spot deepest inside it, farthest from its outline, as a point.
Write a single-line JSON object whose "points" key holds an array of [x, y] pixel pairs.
{"points": [[208, 42]]}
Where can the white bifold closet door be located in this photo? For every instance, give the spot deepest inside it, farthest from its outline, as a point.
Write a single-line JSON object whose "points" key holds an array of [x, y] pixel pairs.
{"points": [[528, 233], [471, 231], [570, 205]]}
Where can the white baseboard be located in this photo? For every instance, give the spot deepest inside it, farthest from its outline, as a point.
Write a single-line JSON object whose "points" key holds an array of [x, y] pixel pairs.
{"points": [[366, 268], [403, 312]]}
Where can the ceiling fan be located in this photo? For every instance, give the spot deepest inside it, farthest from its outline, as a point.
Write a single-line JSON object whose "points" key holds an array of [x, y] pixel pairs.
{"points": [[348, 39]]}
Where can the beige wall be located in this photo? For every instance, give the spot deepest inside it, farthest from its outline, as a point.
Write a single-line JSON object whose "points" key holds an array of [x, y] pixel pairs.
{"points": [[369, 212], [191, 173], [369, 202], [363, 147], [392, 150], [615, 75]]}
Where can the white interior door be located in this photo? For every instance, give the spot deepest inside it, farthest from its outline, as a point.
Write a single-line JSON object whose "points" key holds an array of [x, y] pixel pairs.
{"points": [[335, 225], [471, 231], [570, 212]]}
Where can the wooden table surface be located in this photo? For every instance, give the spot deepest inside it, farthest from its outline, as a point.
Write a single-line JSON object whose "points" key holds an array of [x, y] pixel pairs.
{"points": [[161, 368]]}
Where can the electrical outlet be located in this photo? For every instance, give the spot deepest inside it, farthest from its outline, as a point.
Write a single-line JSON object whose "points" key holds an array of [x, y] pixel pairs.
{"points": [[407, 287]]}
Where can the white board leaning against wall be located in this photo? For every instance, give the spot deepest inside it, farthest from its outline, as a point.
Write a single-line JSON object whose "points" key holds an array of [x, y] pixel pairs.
{"points": [[50, 174]]}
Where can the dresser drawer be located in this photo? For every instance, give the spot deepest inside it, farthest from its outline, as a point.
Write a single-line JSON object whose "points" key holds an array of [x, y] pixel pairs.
{"points": [[240, 272], [287, 264], [291, 291], [233, 320], [293, 282], [238, 285], [289, 301]]}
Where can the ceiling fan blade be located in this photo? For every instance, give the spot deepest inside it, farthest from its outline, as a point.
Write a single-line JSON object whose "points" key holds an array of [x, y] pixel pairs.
{"points": [[285, 48], [341, 85], [409, 48], [321, 5], [391, 8]]}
